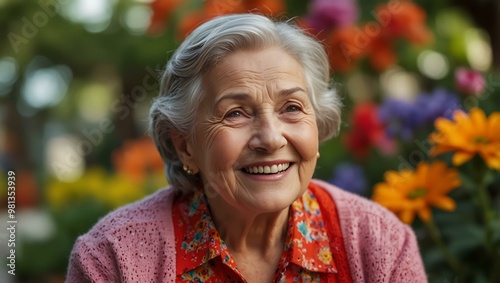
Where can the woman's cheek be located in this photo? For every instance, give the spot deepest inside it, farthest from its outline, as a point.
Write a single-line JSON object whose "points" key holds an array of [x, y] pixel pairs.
{"points": [[224, 148], [304, 137]]}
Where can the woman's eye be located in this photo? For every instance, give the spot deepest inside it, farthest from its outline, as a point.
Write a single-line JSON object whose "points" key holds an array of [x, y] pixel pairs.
{"points": [[234, 114], [292, 108]]}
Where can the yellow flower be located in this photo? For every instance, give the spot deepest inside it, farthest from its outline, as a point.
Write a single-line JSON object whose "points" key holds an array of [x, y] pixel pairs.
{"points": [[120, 190], [112, 190], [409, 192], [325, 255], [57, 194], [467, 136]]}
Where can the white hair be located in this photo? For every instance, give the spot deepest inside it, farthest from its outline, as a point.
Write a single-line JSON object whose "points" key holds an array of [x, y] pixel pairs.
{"points": [[181, 89]]}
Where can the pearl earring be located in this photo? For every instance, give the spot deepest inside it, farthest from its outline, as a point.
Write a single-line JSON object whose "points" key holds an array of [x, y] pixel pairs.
{"points": [[187, 169]]}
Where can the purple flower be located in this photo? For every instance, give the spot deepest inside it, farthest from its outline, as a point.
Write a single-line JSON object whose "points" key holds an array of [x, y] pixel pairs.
{"points": [[404, 118], [326, 14], [349, 177], [469, 81], [400, 118], [439, 103]]}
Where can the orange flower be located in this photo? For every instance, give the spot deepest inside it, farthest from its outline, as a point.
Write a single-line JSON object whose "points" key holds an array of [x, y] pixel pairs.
{"points": [[267, 7], [189, 22], [467, 136], [377, 39], [221, 7], [407, 192], [345, 48], [214, 8], [138, 158], [382, 54], [161, 12], [407, 20]]}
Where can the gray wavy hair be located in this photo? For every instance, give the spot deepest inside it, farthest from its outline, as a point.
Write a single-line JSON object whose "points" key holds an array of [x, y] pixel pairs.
{"points": [[181, 85]]}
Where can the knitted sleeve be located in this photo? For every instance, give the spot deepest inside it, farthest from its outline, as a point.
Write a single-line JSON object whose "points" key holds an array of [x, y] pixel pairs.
{"points": [[134, 243], [89, 263], [408, 266]]}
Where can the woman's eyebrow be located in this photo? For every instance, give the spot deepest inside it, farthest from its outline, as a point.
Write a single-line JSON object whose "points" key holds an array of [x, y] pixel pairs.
{"points": [[232, 96], [245, 96], [286, 92]]}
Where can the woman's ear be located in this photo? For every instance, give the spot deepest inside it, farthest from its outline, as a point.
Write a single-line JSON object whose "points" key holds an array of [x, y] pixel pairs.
{"points": [[184, 150]]}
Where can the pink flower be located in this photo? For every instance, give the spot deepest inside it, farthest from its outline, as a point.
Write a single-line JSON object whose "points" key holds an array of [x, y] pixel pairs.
{"points": [[469, 81], [328, 14]]}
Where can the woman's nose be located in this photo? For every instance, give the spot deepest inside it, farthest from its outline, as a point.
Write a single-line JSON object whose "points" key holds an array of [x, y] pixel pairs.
{"points": [[268, 135]]}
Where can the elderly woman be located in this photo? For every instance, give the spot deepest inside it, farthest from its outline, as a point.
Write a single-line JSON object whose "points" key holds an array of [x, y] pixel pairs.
{"points": [[244, 104]]}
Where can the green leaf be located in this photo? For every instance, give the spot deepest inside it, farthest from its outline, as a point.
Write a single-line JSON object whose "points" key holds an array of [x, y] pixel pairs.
{"points": [[464, 238], [432, 257]]}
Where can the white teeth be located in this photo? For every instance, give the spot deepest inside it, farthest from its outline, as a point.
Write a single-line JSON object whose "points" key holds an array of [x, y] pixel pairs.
{"points": [[274, 169], [267, 169]]}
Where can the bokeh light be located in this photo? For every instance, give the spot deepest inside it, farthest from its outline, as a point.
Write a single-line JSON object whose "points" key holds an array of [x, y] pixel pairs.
{"points": [[94, 101], [46, 87], [9, 70], [36, 225], [63, 160], [137, 19], [433, 64], [361, 87], [94, 15], [478, 49], [400, 84]]}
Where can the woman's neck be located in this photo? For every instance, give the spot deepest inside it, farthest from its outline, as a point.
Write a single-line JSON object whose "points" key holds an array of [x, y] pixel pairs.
{"points": [[250, 233]]}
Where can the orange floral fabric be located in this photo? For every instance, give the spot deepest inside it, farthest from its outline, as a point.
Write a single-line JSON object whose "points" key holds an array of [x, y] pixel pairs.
{"points": [[202, 255]]}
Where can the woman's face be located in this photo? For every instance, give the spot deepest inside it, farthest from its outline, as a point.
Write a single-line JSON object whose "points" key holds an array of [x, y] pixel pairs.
{"points": [[256, 138]]}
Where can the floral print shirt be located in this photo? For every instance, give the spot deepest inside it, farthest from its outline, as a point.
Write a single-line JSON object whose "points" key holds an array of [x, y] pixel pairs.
{"points": [[202, 256]]}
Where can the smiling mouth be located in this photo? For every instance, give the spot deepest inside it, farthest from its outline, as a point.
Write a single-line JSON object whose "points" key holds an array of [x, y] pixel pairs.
{"points": [[274, 169]]}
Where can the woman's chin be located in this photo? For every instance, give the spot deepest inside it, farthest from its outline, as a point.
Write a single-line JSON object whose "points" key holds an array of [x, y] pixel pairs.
{"points": [[270, 202]]}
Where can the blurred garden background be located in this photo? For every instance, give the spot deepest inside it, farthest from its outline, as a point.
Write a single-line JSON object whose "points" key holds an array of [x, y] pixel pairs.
{"points": [[420, 81]]}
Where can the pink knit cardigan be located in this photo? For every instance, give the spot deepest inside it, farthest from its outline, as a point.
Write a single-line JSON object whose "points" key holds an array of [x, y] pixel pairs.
{"points": [[136, 243]]}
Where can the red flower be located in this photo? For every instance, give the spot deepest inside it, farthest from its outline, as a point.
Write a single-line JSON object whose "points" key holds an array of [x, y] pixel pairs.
{"points": [[366, 132]]}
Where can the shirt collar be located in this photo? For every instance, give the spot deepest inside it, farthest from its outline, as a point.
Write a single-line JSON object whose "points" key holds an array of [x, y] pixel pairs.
{"points": [[307, 243], [201, 241]]}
